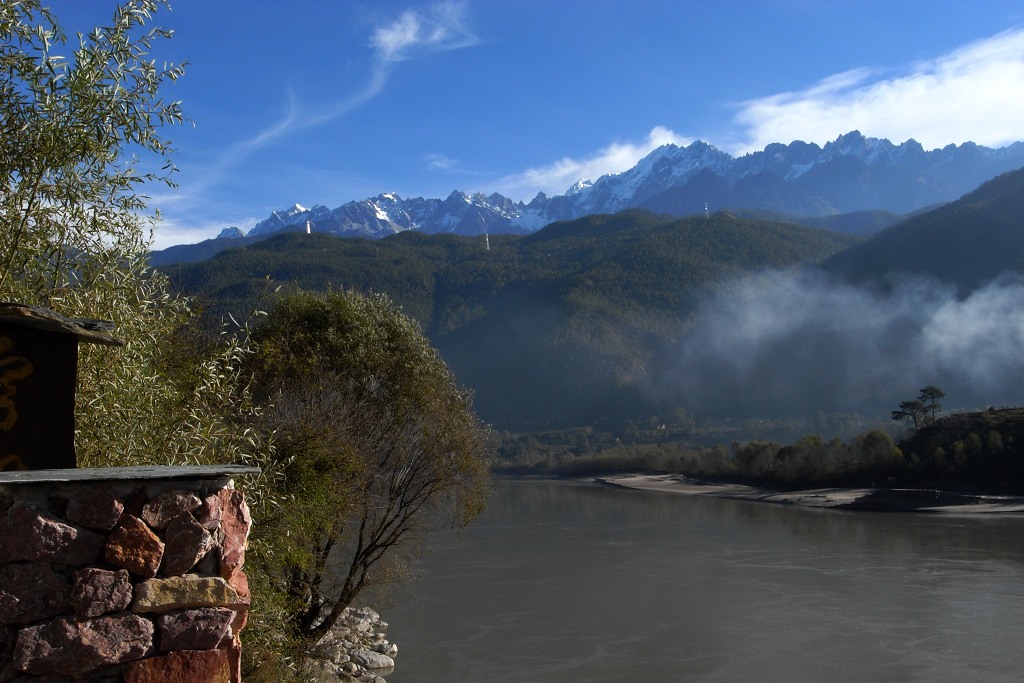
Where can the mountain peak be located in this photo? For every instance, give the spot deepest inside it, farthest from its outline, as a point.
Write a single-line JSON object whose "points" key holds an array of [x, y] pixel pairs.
{"points": [[577, 187], [851, 173], [232, 232]]}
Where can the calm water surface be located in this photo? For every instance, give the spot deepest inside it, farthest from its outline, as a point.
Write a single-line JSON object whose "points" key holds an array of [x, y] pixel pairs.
{"points": [[565, 581]]}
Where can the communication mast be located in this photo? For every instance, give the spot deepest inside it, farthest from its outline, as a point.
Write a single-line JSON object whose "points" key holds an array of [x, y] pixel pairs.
{"points": [[309, 228], [487, 241]]}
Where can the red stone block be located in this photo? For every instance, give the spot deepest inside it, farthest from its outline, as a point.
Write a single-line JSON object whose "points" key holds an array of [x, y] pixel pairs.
{"points": [[163, 508], [235, 524], [194, 629], [99, 591], [32, 592], [208, 513], [133, 546], [185, 666], [94, 508], [185, 543], [35, 535], [68, 647]]}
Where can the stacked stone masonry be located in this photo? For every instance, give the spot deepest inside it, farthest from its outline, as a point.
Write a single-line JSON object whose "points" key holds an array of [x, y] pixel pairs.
{"points": [[122, 581]]}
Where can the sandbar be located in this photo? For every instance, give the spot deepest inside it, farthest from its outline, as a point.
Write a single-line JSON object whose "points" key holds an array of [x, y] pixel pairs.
{"points": [[870, 499]]}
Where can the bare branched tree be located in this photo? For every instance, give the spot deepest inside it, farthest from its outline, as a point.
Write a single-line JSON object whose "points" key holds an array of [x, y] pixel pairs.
{"points": [[381, 441]]}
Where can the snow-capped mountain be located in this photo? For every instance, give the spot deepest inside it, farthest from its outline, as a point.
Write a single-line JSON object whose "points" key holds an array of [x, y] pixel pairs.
{"points": [[851, 173]]}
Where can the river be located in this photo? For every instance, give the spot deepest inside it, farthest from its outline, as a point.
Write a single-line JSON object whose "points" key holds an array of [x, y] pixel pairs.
{"points": [[570, 581]]}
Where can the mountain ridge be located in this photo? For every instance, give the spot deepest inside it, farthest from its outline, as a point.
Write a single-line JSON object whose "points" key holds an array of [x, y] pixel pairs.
{"points": [[849, 174]]}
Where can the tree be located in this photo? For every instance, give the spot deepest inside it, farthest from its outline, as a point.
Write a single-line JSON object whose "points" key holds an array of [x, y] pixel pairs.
{"points": [[922, 411], [929, 398], [81, 140], [910, 412], [73, 133], [378, 440]]}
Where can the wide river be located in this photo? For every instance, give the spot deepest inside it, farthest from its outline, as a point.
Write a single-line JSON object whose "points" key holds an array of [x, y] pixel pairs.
{"points": [[564, 581]]}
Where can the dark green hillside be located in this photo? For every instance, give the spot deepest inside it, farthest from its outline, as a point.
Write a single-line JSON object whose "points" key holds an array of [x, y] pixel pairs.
{"points": [[979, 449], [967, 243], [854, 223], [557, 327]]}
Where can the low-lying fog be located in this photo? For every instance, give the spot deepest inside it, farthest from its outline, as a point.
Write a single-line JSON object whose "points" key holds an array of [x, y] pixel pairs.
{"points": [[784, 343]]}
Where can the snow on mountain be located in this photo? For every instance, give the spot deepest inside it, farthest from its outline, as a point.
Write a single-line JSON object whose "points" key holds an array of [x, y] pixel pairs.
{"points": [[232, 232], [853, 172]]}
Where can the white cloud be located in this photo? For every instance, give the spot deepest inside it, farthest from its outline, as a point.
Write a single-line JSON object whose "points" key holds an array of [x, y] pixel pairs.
{"points": [[556, 177], [974, 93], [170, 232], [438, 28], [439, 162]]}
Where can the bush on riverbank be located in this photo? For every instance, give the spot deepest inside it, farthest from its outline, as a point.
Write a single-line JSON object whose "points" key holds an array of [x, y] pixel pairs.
{"points": [[967, 451]]}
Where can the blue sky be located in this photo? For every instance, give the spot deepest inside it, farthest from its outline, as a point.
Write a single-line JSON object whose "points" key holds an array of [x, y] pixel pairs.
{"points": [[327, 101]]}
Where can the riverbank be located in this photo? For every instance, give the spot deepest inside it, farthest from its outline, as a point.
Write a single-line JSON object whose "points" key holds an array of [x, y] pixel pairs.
{"points": [[878, 500], [356, 650]]}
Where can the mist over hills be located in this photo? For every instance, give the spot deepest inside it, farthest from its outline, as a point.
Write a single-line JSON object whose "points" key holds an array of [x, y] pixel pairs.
{"points": [[851, 175], [626, 315], [935, 299], [555, 327]]}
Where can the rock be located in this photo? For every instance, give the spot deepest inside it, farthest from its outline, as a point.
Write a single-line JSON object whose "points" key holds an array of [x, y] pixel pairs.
{"points": [[373, 660], [208, 513], [235, 523], [133, 546], [94, 508], [185, 543], [32, 592], [194, 629], [164, 507], [355, 649], [34, 535], [67, 647], [182, 592], [99, 591], [187, 666]]}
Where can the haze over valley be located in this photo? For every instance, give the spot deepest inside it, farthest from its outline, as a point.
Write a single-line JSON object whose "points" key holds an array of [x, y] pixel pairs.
{"points": [[741, 315]]}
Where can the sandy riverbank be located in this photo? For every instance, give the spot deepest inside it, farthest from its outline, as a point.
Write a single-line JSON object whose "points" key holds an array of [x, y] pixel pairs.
{"points": [[887, 500]]}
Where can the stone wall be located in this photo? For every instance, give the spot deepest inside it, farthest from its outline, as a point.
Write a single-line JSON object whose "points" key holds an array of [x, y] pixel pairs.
{"points": [[123, 574]]}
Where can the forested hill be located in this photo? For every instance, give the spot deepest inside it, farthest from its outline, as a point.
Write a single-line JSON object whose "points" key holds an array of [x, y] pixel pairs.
{"points": [[966, 243], [557, 327]]}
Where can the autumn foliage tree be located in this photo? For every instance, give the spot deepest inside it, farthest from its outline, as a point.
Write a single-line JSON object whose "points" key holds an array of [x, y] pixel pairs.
{"points": [[377, 440]]}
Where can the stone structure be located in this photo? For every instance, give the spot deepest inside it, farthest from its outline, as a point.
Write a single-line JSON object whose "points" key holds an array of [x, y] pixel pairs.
{"points": [[122, 574], [356, 650]]}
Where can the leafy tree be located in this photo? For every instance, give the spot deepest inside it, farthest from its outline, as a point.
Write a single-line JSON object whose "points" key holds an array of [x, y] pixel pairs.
{"points": [[922, 411], [910, 412], [378, 442], [80, 128], [929, 398]]}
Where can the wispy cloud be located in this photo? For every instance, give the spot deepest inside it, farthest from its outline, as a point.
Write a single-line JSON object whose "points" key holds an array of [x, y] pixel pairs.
{"points": [[556, 177], [975, 92], [441, 27], [171, 232], [440, 162]]}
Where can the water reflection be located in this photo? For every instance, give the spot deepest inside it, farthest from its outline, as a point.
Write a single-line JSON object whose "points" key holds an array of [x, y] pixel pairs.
{"points": [[566, 581]]}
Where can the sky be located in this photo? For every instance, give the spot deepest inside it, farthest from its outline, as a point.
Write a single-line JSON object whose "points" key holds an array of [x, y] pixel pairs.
{"points": [[330, 101]]}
